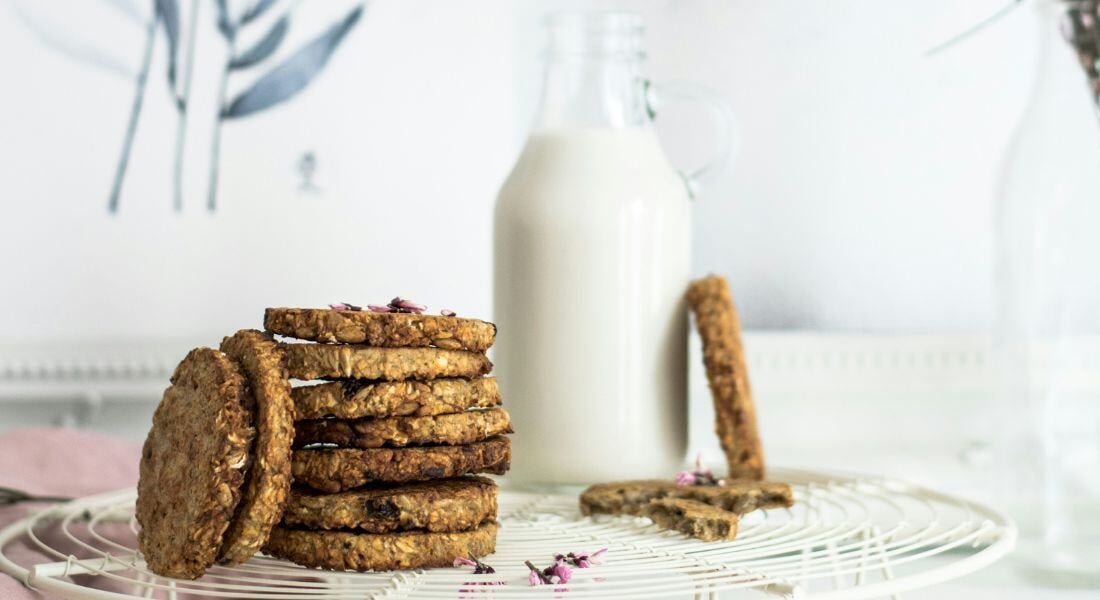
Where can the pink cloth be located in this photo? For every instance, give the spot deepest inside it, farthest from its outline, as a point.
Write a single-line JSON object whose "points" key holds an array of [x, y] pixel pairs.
{"points": [[58, 462]]}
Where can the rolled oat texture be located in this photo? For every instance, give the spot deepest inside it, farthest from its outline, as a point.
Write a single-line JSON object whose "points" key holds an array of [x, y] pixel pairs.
{"points": [[337, 469], [268, 480], [193, 465], [390, 330], [353, 398], [348, 551]]}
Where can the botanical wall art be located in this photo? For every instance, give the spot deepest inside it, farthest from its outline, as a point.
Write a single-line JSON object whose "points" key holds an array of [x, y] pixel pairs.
{"points": [[265, 23]]}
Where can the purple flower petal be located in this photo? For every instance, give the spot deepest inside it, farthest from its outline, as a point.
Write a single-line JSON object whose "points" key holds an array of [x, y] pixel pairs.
{"points": [[404, 304], [597, 557], [381, 309], [533, 578], [561, 571], [461, 561], [338, 306], [446, 312], [685, 478]]}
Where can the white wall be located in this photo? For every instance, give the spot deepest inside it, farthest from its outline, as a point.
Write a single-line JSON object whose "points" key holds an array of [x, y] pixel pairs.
{"points": [[861, 200]]}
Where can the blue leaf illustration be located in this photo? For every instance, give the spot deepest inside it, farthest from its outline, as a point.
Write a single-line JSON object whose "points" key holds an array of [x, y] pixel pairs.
{"points": [[224, 25], [169, 13], [294, 74], [263, 48], [258, 9]]}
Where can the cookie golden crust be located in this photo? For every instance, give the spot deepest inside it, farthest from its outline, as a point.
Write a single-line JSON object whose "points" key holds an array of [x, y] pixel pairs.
{"points": [[452, 429], [331, 361], [347, 551], [334, 470], [629, 497], [437, 506], [691, 518], [268, 481], [353, 399], [193, 465], [388, 330], [724, 358]]}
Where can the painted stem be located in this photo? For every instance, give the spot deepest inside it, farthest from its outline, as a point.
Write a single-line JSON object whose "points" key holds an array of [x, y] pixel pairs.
{"points": [[184, 104], [135, 112], [216, 141]]}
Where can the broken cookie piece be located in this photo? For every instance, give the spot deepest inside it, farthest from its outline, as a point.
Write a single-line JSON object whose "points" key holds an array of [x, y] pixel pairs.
{"points": [[692, 518]]}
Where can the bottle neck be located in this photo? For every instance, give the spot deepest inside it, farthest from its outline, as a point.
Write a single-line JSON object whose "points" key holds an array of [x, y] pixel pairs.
{"points": [[593, 94], [593, 73]]}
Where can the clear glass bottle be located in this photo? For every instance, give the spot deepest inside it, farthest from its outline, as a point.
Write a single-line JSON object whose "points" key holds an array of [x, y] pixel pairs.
{"points": [[592, 257], [1048, 327]]}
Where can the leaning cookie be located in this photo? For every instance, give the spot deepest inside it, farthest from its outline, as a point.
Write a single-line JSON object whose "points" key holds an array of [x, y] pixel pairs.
{"points": [[337, 469], [332, 361], [269, 476], [439, 506], [452, 429], [347, 551], [354, 398], [727, 374], [186, 499], [391, 330]]}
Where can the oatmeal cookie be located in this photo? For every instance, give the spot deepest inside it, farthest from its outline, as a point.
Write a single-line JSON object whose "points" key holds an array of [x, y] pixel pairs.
{"points": [[268, 481], [193, 465], [349, 551], [389, 330], [334, 470], [439, 506], [332, 361], [692, 518], [628, 497], [724, 358], [452, 429], [354, 398]]}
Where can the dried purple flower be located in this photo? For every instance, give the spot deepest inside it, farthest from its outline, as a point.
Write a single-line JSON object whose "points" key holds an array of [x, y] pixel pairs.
{"points": [[399, 304], [381, 309], [345, 306], [700, 476], [560, 570], [446, 312], [537, 577], [584, 560], [684, 478], [480, 568]]}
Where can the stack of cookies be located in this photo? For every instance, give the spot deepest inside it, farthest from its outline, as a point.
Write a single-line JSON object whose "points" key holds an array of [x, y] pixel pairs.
{"points": [[373, 468], [387, 442]]}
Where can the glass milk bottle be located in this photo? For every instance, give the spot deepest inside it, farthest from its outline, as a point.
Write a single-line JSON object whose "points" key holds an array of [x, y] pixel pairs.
{"points": [[1048, 412], [592, 257]]}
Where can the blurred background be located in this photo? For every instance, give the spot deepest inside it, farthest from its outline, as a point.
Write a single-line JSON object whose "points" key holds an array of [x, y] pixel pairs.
{"points": [[857, 225]]}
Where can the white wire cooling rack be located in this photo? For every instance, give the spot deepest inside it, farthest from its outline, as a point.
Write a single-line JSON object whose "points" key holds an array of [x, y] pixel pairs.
{"points": [[846, 537]]}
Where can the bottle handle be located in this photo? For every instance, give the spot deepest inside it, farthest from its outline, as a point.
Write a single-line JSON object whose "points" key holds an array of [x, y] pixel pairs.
{"points": [[727, 144]]}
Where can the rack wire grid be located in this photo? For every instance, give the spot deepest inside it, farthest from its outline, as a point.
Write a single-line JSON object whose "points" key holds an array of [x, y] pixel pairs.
{"points": [[845, 537]]}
